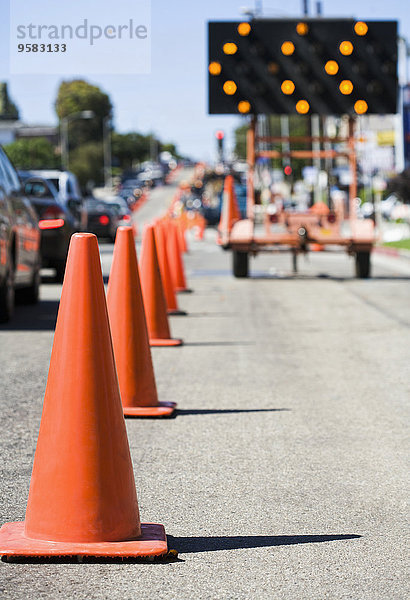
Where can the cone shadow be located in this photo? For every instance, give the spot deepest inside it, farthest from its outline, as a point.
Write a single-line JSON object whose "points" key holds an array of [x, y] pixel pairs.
{"points": [[238, 542], [40, 317], [219, 344], [226, 411]]}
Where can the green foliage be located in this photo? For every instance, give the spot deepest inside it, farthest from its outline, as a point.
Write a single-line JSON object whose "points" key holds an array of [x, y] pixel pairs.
{"points": [[129, 148], [169, 147], [240, 141], [33, 153], [87, 162], [76, 96], [400, 185], [8, 110], [403, 244]]}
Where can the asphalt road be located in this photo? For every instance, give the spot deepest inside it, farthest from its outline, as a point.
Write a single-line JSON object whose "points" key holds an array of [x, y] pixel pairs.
{"points": [[283, 475]]}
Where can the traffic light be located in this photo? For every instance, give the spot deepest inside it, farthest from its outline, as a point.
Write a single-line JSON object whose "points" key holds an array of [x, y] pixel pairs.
{"points": [[305, 66], [287, 170], [220, 141]]}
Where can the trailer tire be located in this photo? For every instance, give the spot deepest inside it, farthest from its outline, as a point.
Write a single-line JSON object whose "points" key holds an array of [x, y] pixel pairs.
{"points": [[240, 263], [363, 265]]}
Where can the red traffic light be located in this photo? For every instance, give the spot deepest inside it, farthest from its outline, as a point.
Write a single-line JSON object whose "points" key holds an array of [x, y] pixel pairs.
{"points": [[287, 170], [220, 135]]}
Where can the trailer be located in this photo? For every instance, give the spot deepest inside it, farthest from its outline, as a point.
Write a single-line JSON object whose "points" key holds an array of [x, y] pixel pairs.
{"points": [[298, 232]]}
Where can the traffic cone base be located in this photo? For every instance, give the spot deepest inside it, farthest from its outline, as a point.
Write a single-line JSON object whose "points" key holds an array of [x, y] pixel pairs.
{"points": [[152, 542], [163, 409], [165, 342]]}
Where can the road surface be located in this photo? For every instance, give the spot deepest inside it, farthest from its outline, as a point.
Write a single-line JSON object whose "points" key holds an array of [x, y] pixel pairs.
{"points": [[283, 475]]}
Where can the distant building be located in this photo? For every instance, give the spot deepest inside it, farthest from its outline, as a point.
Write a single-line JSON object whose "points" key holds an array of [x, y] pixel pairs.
{"points": [[11, 128], [50, 132]]}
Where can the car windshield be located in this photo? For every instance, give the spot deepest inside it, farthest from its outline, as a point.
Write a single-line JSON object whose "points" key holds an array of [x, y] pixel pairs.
{"points": [[98, 206], [56, 183]]}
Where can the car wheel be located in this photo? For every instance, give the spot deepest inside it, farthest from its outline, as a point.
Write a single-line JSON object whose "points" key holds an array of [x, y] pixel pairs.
{"points": [[31, 294], [240, 263], [7, 296], [363, 265]]}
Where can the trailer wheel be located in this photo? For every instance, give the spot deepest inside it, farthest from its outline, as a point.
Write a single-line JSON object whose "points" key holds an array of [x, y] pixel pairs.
{"points": [[240, 263], [363, 265]]}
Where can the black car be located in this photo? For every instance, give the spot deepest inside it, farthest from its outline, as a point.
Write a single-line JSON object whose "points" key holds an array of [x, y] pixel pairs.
{"points": [[56, 222], [19, 242], [102, 218]]}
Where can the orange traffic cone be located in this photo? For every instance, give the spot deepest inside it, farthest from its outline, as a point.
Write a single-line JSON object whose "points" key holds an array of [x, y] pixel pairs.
{"points": [[181, 237], [129, 333], [161, 242], [82, 499], [230, 211], [153, 293], [175, 260]]}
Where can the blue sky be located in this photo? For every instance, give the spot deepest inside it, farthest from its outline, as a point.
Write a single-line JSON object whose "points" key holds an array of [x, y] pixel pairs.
{"points": [[171, 100]]}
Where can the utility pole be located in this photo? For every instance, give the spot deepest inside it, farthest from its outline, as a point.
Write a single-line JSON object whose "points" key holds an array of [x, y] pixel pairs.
{"points": [[107, 151]]}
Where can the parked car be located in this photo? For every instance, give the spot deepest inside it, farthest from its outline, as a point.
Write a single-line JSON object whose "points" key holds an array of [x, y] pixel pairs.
{"points": [[68, 190], [120, 208], [101, 218], [19, 242], [57, 223]]}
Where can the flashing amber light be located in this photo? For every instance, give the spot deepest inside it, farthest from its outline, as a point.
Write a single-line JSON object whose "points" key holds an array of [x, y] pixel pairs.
{"points": [[346, 48], [230, 48], [287, 87], [287, 48], [331, 67], [346, 87], [302, 28], [244, 106], [230, 87], [244, 29], [302, 107], [215, 68], [360, 107], [361, 28]]}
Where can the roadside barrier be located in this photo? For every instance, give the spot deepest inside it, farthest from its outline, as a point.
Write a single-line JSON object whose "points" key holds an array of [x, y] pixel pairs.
{"points": [[153, 293], [82, 499], [130, 335]]}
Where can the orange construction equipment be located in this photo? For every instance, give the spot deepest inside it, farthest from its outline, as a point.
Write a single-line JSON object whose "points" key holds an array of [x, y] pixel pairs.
{"points": [[82, 499], [153, 293], [169, 290], [129, 333], [230, 211], [175, 259]]}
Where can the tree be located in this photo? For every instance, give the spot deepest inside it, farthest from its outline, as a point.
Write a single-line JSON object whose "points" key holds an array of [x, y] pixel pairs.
{"points": [[240, 141], [400, 185], [76, 96], [35, 153], [169, 147], [129, 148], [87, 162], [8, 110]]}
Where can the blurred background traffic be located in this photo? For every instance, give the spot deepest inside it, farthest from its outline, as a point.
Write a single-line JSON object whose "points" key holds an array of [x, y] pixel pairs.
{"points": [[82, 173]]}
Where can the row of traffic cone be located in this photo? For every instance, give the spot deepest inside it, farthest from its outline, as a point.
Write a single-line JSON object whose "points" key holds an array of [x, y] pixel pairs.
{"points": [[82, 498]]}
